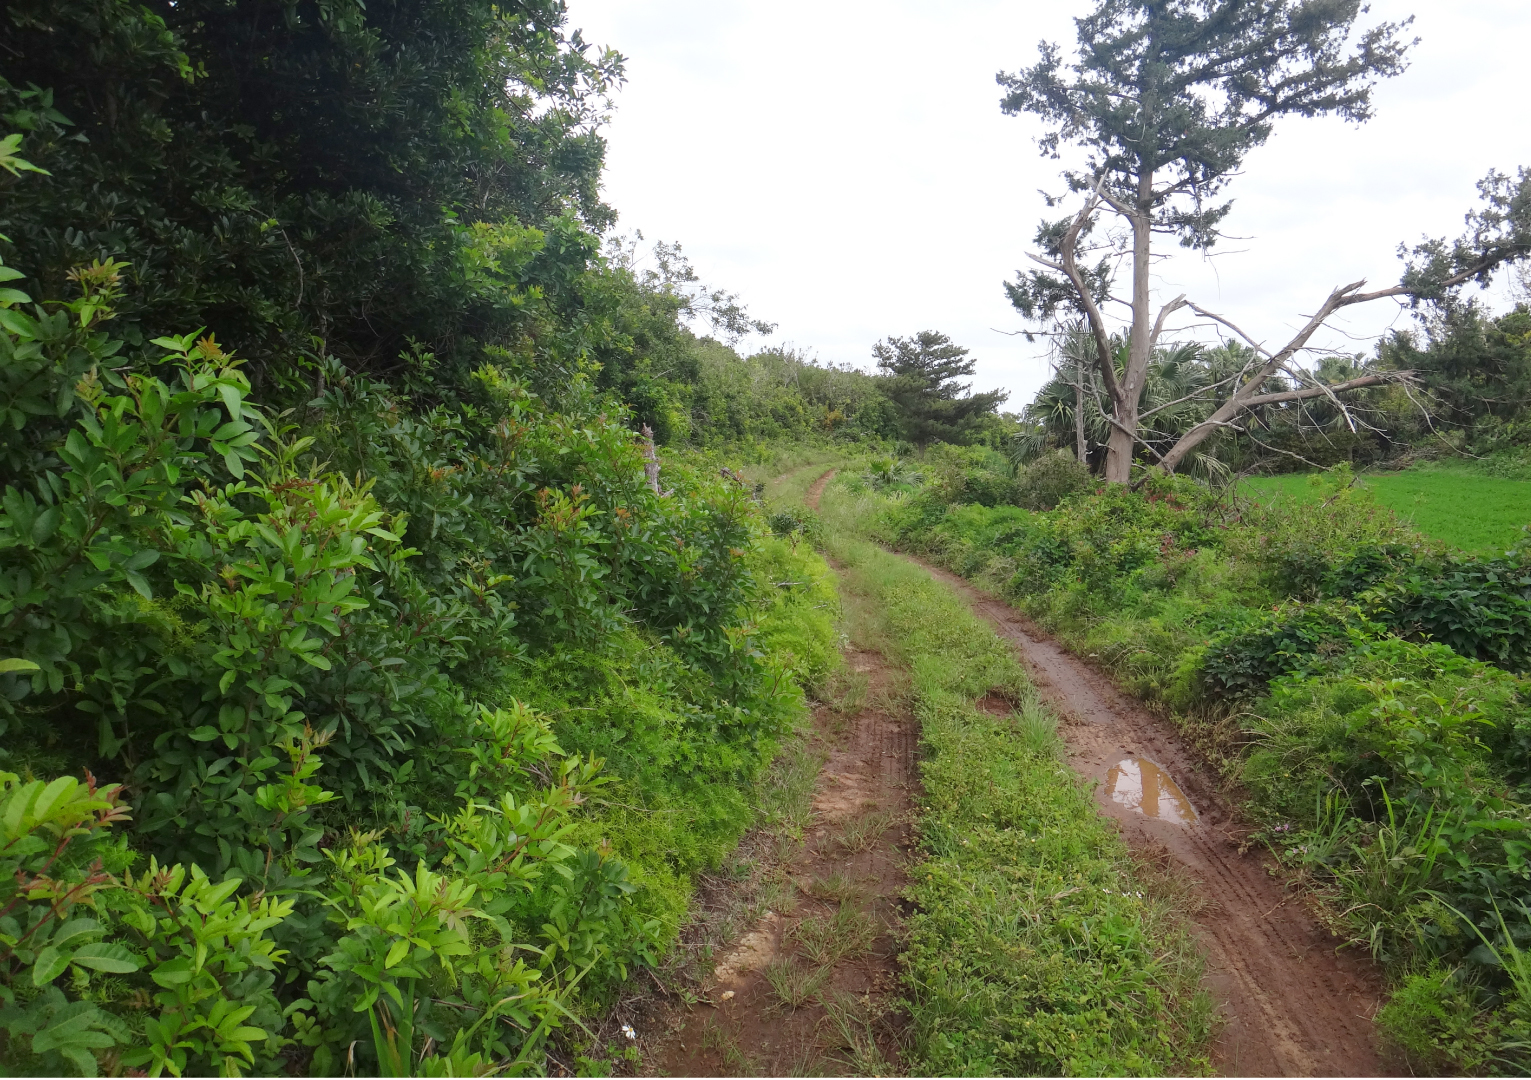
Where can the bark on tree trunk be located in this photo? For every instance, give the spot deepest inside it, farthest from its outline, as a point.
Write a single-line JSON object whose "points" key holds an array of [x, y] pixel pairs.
{"points": [[650, 459], [1120, 446], [1081, 451], [1119, 456]]}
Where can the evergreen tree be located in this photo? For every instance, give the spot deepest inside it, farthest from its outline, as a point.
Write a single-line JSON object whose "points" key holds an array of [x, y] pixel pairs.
{"points": [[920, 377], [1166, 99]]}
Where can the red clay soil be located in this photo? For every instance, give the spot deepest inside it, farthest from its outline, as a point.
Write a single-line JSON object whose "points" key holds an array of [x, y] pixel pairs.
{"points": [[846, 880], [1292, 1004], [816, 490]]}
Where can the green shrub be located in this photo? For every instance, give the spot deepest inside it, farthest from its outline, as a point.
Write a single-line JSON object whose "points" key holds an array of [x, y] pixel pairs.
{"points": [[1298, 544], [1238, 663], [1441, 1023], [796, 522], [359, 675], [1480, 607], [1050, 479]]}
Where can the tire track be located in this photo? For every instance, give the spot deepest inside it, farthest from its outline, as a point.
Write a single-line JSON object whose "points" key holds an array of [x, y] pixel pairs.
{"points": [[1292, 1006]]}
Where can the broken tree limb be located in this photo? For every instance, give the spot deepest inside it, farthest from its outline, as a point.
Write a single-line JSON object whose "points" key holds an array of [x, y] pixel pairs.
{"points": [[1248, 394]]}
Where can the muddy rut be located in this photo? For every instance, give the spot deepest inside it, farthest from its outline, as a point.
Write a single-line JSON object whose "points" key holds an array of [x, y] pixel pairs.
{"points": [[1291, 1004], [810, 988]]}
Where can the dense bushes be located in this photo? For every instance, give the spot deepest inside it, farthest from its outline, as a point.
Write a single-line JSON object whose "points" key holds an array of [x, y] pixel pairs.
{"points": [[1359, 685], [416, 706], [358, 665], [329, 171]]}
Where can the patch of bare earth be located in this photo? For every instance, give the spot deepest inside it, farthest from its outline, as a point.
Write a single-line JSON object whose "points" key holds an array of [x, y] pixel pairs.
{"points": [[789, 965], [816, 489], [809, 987], [1292, 1004]]}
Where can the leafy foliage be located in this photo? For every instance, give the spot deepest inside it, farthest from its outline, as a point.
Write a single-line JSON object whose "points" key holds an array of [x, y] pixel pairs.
{"points": [[1050, 479], [334, 166], [310, 651]]}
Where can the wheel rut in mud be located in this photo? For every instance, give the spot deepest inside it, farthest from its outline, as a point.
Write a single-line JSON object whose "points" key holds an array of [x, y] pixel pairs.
{"points": [[816, 490], [1291, 1005], [810, 987]]}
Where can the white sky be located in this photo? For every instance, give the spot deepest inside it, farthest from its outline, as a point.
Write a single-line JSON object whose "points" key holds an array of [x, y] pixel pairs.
{"points": [[843, 165]]}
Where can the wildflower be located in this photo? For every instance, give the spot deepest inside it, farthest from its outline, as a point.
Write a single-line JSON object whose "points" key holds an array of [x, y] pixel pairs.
{"points": [[627, 1029]]}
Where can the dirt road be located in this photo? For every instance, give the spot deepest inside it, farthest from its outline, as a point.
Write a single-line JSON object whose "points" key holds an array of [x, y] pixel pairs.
{"points": [[816, 490], [1292, 1006], [809, 988]]}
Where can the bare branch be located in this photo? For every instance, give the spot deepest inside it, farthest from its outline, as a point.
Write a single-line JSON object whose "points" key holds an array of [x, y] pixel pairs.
{"points": [[1321, 390], [1115, 203], [1276, 449], [1165, 312], [1251, 342], [1299, 376], [1070, 267], [1133, 435], [1193, 394]]}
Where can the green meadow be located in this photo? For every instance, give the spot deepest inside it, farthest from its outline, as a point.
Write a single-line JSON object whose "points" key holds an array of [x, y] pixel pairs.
{"points": [[1466, 509]]}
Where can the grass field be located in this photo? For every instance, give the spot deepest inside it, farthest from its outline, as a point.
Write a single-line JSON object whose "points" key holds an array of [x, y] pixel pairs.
{"points": [[1468, 510]]}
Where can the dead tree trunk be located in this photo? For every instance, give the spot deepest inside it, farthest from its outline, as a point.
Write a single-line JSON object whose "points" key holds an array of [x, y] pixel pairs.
{"points": [[1080, 449], [650, 459], [1125, 392]]}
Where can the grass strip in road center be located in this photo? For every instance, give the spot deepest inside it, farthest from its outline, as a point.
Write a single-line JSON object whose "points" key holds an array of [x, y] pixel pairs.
{"points": [[1038, 946]]}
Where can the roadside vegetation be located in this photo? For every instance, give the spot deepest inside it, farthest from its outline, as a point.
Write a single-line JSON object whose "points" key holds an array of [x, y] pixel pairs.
{"points": [[367, 702], [394, 627], [1362, 688], [420, 764], [1036, 946]]}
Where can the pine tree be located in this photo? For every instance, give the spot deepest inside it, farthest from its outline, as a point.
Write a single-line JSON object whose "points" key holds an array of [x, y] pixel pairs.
{"points": [[920, 377]]}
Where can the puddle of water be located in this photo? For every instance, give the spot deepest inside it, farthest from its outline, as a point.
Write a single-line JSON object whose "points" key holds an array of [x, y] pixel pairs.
{"points": [[1140, 785]]}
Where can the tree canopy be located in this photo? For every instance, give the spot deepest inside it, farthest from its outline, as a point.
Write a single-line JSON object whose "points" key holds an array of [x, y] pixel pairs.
{"points": [[921, 374], [312, 177], [1165, 100]]}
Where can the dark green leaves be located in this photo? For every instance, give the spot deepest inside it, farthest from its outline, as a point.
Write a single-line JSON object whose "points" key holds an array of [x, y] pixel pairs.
{"points": [[1174, 95]]}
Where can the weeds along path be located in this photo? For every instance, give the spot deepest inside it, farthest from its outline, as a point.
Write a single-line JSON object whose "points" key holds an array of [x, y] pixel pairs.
{"points": [[809, 988], [1291, 1006]]}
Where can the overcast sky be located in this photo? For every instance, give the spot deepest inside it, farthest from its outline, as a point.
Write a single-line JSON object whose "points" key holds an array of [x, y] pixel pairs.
{"points": [[844, 166]]}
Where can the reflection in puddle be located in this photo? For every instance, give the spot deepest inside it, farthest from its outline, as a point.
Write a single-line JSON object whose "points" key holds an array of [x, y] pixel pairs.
{"points": [[1140, 785]]}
